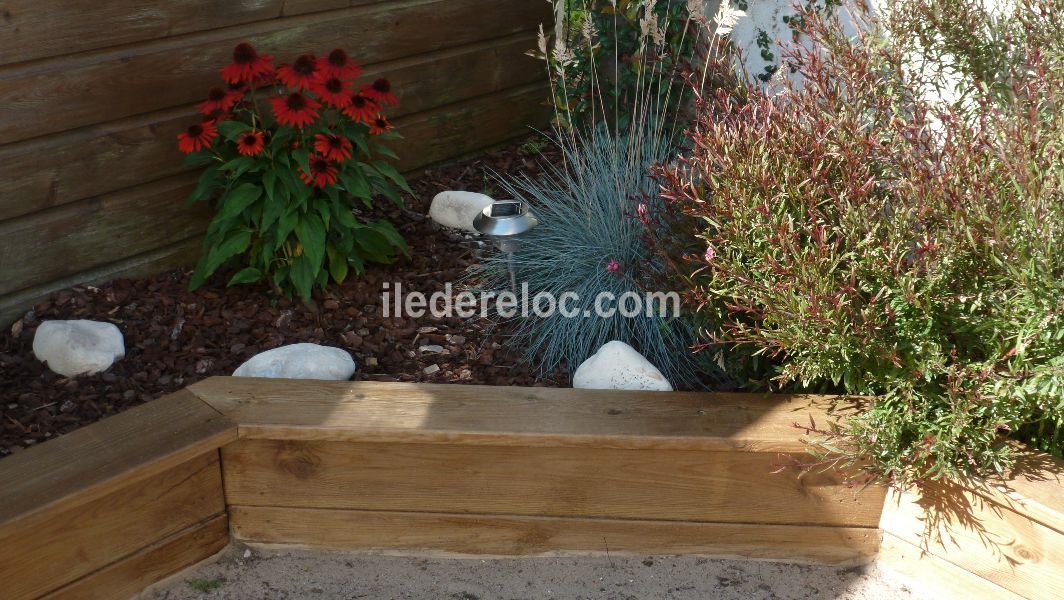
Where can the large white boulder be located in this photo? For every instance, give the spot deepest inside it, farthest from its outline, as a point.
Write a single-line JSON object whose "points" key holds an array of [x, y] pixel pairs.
{"points": [[458, 209], [299, 361], [617, 366], [78, 347]]}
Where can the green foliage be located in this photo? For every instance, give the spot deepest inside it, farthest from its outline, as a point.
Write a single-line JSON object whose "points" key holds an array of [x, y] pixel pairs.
{"points": [[867, 237], [613, 58], [204, 585], [291, 211]]}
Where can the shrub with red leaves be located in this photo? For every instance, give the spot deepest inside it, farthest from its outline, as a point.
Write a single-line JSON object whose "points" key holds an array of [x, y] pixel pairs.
{"points": [[864, 234]]}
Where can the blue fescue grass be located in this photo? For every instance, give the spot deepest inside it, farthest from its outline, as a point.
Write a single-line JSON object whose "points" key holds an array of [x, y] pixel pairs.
{"points": [[587, 207]]}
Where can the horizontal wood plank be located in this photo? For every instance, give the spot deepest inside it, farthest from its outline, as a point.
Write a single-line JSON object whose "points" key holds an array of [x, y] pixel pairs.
{"points": [[503, 535], [979, 536], [129, 576], [54, 244], [156, 76], [934, 576], [33, 29], [457, 414], [47, 550], [179, 254], [677, 485], [66, 167], [94, 461]]}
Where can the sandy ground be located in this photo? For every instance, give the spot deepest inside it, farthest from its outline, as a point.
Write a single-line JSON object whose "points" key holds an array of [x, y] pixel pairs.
{"points": [[241, 573]]}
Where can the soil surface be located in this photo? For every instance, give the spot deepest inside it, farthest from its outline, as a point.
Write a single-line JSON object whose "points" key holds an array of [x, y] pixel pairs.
{"points": [[175, 337], [240, 573]]}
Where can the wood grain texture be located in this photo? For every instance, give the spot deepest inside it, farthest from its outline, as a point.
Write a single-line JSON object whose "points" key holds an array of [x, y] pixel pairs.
{"points": [[53, 244], [676, 485], [66, 167], [979, 536], [129, 576], [148, 77], [47, 550], [178, 254], [93, 461], [501, 535], [934, 576], [458, 414], [33, 29], [1034, 488]]}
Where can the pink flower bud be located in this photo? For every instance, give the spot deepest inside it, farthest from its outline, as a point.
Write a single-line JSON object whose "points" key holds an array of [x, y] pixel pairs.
{"points": [[613, 266], [710, 254]]}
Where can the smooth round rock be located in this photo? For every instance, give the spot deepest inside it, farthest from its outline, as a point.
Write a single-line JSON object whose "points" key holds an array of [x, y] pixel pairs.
{"points": [[300, 361], [458, 209], [78, 347], [617, 366]]}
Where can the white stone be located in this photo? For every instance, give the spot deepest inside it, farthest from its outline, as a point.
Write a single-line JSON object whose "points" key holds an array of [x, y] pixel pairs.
{"points": [[78, 347], [458, 209], [617, 366], [299, 361]]}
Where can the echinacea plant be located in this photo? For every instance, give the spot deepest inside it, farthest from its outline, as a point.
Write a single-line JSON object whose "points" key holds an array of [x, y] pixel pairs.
{"points": [[288, 151]]}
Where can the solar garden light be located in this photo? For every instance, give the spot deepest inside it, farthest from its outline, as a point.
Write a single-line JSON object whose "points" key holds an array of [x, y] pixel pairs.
{"points": [[504, 222]]}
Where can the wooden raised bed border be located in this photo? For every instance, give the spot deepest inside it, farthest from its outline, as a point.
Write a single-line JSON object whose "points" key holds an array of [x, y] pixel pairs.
{"points": [[113, 507]]}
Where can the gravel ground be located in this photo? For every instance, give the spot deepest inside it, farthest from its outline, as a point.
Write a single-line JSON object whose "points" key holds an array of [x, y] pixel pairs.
{"points": [[241, 573], [174, 337]]}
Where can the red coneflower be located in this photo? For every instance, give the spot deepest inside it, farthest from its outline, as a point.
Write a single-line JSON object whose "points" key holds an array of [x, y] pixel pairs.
{"points": [[250, 143], [380, 125], [334, 91], [322, 172], [380, 91], [197, 137], [299, 75], [339, 65], [332, 147], [247, 65], [218, 101], [295, 109], [361, 109]]}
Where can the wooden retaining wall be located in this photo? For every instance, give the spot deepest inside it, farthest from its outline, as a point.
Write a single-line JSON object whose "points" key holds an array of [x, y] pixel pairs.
{"points": [[93, 94], [111, 508], [498, 470]]}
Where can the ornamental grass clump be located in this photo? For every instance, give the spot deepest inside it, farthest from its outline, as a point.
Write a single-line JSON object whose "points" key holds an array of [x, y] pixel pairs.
{"points": [[291, 156], [865, 236]]}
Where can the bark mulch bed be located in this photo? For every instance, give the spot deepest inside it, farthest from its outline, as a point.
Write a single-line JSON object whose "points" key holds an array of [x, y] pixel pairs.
{"points": [[174, 337]]}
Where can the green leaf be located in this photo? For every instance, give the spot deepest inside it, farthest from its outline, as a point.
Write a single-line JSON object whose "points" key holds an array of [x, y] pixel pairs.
{"points": [[355, 183], [390, 233], [235, 243], [303, 274], [208, 182], [237, 200], [389, 171], [285, 225], [231, 130], [337, 264], [375, 245], [311, 233], [238, 166], [302, 157], [247, 275]]}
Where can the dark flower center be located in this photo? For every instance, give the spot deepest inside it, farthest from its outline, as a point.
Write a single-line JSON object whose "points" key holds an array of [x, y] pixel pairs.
{"points": [[249, 139], [335, 142], [381, 122], [296, 102], [195, 130], [382, 85], [216, 94], [338, 58], [358, 100], [335, 86], [304, 65], [244, 54], [319, 164]]}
